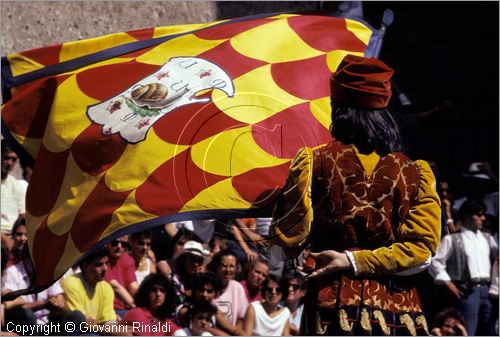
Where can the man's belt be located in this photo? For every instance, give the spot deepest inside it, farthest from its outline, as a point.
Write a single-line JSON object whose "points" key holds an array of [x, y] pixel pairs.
{"points": [[479, 281]]}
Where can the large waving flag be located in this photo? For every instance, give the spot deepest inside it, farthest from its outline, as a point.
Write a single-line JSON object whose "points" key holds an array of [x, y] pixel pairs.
{"points": [[141, 128]]}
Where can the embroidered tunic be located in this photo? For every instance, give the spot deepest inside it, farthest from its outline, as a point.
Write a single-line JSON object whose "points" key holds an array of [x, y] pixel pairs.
{"points": [[385, 212]]}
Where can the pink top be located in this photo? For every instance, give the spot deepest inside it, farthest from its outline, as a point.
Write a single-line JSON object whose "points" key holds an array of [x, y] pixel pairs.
{"points": [[257, 297], [146, 324], [123, 271], [232, 302]]}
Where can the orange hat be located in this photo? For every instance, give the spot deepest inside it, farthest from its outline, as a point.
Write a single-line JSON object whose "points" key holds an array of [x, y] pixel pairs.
{"points": [[361, 82]]}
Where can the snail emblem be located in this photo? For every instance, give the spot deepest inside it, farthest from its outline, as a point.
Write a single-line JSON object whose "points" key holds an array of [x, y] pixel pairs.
{"points": [[133, 112], [152, 96]]}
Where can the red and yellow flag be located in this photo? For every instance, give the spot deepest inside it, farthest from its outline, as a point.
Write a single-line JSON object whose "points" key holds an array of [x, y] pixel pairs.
{"points": [[141, 128]]}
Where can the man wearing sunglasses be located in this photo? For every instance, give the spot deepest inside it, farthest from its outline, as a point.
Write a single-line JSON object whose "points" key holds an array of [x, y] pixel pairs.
{"points": [[13, 194], [121, 275]]}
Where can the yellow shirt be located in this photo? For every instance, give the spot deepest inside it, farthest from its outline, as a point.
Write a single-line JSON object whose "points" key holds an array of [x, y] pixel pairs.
{"points": [[93, 302]]}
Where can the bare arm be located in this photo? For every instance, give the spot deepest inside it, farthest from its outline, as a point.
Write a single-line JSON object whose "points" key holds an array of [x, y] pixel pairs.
{"points": [[249, 321], [228, 327], [251, 255], [163, 268], [122, 293], [286, 330]]}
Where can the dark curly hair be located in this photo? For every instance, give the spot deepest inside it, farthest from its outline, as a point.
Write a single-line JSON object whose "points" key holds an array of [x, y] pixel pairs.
{"points": [[217, 259], [201, 306], [369, 130], [97, 255], [141, 297], [443, 315], [208, 278]]}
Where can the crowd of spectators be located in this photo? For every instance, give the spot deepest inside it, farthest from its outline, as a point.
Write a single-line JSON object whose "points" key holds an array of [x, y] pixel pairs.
{"points": [[220, 277]]}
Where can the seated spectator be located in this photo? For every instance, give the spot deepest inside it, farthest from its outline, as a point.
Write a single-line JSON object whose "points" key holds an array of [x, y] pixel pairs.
{"points": [[155, 305], [296, 289], [257, 272], [140, 249], [232, 301], [189, 263], [89, 293], [11, 311], [19, 251], [268, 317], [206, 287], [200, 320], [38, 308], [121, 275], [176, 247], [449, 322], [13, 195]]}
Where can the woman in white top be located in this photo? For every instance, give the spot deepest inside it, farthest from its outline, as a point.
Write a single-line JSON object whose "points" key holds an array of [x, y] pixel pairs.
{"points": [[296, 290], [141, 251], [268, 317]]}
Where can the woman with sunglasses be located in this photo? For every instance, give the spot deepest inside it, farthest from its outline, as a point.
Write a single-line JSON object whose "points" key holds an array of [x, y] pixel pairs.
{"points": [[296, 285], [155, 301], [268, 317]]}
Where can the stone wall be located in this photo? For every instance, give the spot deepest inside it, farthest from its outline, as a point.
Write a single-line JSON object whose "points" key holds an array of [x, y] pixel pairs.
{"points": [[32, 24]]}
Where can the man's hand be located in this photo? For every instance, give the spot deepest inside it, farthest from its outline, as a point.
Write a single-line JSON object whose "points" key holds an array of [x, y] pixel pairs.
{"points": [[251, 255], [453, 288], [329, 261]]}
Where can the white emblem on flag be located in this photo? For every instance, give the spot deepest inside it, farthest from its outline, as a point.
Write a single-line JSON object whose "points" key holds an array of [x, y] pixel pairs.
{"points": [[175, 84]]}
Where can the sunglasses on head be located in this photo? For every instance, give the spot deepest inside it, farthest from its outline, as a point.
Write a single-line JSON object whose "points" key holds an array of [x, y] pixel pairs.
{"points": [[272, 289]]}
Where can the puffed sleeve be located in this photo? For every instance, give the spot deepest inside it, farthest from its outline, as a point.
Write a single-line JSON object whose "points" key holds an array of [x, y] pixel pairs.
{"points": [[417, 238], [293, 214]]}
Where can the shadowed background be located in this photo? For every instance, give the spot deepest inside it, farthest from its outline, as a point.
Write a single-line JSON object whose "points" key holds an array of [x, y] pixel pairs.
{"points": [[440, 51]]}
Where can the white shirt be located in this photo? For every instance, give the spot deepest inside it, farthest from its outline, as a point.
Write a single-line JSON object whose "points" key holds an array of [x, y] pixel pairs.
{"points": [[13, 203], [204, 229], [16, 277], [477, 251], [266, 325]]}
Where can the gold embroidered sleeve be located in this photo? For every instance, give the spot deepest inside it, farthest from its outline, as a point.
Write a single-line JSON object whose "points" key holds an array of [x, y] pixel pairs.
{"points": [[293, 215], [416, 238]]}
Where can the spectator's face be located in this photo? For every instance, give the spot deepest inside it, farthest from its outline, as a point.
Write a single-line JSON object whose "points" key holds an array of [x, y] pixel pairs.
{"points": [[206, 292], [273, 293], [20, 237], [476, 221], [95, 271], [294, 290], [157, 297], [141, 247], [179, 245], [227, 267], [117, 247], [194, 264], [200, 322], [9, 159], [448, 328], [258, 274]]}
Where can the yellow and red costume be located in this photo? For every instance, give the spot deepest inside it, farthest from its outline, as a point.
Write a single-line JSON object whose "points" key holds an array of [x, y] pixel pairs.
{"points": [[385, 211]]}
